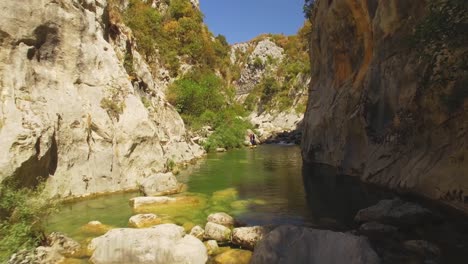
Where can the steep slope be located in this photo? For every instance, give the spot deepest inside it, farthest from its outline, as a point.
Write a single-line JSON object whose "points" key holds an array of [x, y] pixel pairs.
{"points": [[70, 114], [388, 100], [271, 80]]}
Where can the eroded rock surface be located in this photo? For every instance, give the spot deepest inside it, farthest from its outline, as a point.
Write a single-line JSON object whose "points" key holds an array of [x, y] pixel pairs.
{"points": [[378, 106], [69, 112]]}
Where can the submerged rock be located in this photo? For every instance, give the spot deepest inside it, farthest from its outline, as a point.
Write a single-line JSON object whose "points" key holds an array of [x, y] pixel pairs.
{"points": [[166, 243], [234, 256], [247, 237], [217, 232], [161, 184], [221, 218], [291, 244], [396, 212], [224, 196], [144, 220], [164, 204], [95, 227]]}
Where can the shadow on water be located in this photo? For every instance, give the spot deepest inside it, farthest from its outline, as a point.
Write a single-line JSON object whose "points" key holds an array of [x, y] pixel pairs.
{"points": [[335, 199]]}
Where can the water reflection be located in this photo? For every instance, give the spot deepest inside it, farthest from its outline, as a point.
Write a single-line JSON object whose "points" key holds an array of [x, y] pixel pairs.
{"points": [[334, 199]]}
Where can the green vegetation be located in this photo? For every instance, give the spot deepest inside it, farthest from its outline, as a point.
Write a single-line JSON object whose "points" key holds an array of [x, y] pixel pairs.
{"points": [[277, 90], [307, 8], [21, 215], [176, 36], [202, 99], [113, 107], [441, 38]]}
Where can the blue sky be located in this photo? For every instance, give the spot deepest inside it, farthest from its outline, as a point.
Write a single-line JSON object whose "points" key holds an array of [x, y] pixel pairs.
{"points": [[242, 20]]}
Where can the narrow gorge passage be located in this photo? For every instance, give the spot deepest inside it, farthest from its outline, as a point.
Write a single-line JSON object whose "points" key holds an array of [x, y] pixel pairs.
{"points": [[219, 132]]}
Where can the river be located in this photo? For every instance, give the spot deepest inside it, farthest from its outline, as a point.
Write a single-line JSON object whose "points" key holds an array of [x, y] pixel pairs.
{"points": [[265, 186]]}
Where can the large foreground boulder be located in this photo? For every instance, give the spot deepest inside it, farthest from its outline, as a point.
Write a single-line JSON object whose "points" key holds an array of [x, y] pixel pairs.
{"points": [[161, 184], [291, 244], [165, 244]]}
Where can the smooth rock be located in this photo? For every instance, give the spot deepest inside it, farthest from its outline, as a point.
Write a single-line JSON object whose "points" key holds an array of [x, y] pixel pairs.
{"points": [[198, 232], [144, 220], [247, 237], [395, 212], [221, 218], [161, 184], [221, 150], [163, 244], [217, 232], [211, 246], [234, 256], [291, 244]]}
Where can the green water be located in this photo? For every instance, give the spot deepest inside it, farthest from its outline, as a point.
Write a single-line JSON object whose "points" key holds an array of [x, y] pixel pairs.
{"points": [[257, 186]]}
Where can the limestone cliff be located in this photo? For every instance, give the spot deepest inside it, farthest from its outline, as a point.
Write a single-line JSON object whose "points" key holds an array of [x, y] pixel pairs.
{"points": [[70, 113], [267, 86], [388, 100]]}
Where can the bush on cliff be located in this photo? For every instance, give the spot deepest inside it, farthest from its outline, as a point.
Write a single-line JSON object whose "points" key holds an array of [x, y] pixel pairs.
{"points": [[22, 212]]}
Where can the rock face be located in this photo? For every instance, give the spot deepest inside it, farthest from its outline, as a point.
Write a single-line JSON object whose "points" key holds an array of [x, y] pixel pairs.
{"points": [[252, 73], [290, 244], [161, 184], [388, 110], [164, 243], [69, 113], [258, 60]]}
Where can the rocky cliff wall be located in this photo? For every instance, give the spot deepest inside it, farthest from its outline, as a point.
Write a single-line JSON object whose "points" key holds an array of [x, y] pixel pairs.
{"points": [[69, 113], [259, 60], [388, 99]]}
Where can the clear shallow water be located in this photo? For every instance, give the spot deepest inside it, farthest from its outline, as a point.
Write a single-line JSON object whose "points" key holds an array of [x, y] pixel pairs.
{"points": [[267, 185], [261, 186]]}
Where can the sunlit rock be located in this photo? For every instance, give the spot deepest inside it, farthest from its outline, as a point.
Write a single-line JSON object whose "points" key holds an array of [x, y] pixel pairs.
{"points": [[247, 237], [144, 220], [161, 184], [221, 218], [198, 232], [211, 247], [166, 243], [217, 232]]}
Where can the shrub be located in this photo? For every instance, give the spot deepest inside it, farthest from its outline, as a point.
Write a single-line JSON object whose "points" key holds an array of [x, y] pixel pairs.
{"points": [[22, 212]]}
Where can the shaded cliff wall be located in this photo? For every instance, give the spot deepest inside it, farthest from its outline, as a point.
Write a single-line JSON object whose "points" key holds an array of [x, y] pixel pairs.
{"points": [[388, 96], [69, 113]]}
